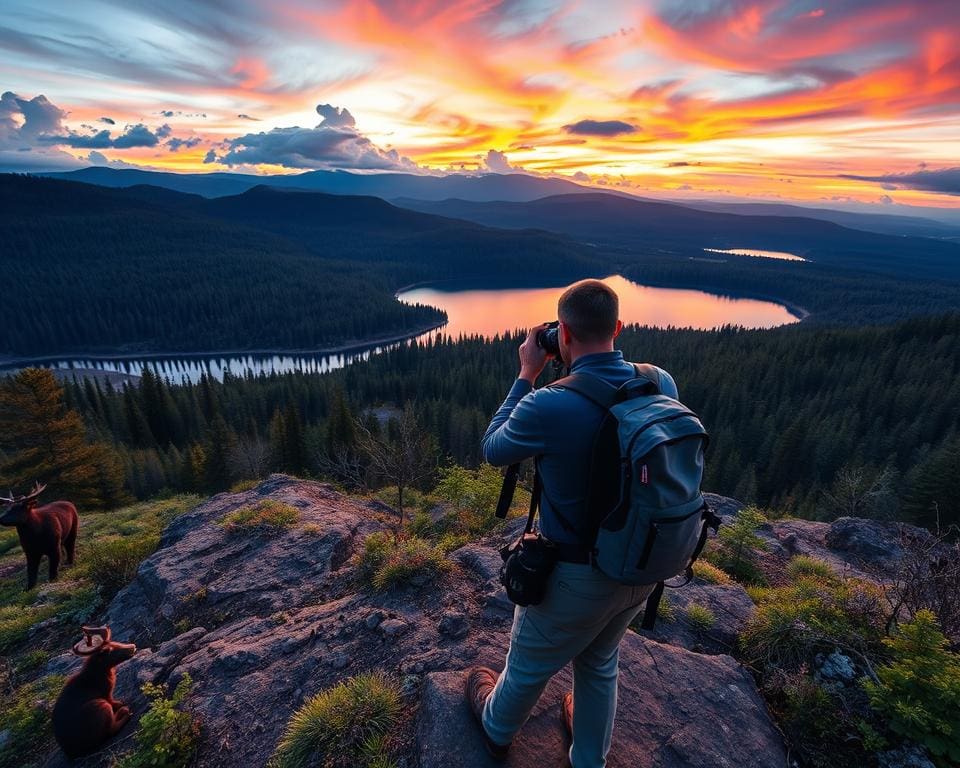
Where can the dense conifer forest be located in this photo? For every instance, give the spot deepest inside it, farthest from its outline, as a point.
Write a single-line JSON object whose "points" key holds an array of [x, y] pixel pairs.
{"points": [[89, 269], [802, 419]]}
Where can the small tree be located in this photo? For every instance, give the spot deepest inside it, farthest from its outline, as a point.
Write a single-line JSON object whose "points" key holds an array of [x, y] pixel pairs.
{"points": [[860, 492], [738, 541], [926, 576], [472, 493], [918, 692], [405, 456]]}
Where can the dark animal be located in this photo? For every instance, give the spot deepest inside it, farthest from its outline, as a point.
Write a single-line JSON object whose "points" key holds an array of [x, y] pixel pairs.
{"points": [[42, 530], [86, 714]]}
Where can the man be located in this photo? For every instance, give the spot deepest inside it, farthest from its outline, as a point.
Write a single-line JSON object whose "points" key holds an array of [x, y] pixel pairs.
{"points": [[584, 614]]}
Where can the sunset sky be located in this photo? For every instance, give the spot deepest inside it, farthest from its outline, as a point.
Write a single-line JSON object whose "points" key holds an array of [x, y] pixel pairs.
{"points": [[832, 102]]}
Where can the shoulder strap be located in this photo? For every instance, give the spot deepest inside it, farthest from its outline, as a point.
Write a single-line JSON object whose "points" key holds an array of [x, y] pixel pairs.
{"points": [[593, 388], [651, 373]]}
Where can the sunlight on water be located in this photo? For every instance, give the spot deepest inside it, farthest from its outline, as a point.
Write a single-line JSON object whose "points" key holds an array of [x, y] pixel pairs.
{"points": [[783, 255], [485, 312], [492, 312]]}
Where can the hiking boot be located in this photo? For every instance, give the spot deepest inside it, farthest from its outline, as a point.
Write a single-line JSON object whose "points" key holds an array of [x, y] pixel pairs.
{"points": [[566, 714], [480, 684]]}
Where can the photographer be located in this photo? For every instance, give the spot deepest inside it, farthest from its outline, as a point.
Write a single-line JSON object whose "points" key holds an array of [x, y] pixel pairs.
{"points": [[584, 614]]}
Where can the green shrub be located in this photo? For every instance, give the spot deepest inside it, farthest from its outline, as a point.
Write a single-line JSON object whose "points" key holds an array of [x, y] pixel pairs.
{"points": [[389, 562], [69, 600], [817, 725], [265, 515], [421, 525], [738, 545], [244, 485], [167, 735], [25, 716], [700, 617], [451, 541], [918, 692], [473, 494], [794, 622], [347, 725], [112, 564], [802, 565], [710, 573]]}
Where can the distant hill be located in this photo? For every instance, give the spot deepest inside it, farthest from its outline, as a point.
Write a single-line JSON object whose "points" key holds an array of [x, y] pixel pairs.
{"points": [[489, 186], [613, 220], [89, 268], [885, 224]]}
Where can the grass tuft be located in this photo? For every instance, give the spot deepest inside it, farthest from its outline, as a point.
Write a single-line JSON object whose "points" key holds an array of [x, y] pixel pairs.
{"points": [[700, 617], [386, 562], [266, 515], [803, 565], [25, 718], [346, 725], [710, 573], [112, 564]]}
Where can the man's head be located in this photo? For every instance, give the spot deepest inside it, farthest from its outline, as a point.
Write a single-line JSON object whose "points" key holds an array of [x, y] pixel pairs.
{"points": [[589, 314]]}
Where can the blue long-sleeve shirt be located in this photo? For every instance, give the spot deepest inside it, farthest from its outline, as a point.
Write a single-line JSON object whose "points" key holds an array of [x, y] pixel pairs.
{"points": [[558, 425]]}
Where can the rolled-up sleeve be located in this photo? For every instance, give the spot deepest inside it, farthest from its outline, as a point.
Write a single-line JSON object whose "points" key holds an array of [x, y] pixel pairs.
{"points": [[515, 432]]}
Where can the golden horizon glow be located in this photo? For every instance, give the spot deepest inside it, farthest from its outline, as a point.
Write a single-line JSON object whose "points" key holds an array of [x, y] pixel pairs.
{"points": [[775, 99]]}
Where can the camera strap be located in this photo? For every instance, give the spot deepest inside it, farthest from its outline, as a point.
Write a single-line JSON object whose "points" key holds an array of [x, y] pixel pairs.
{"points": [[534, 498], [509, 488]]}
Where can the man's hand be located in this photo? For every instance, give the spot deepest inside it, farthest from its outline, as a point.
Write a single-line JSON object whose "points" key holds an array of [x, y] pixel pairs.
{"points": [[533, 359]]}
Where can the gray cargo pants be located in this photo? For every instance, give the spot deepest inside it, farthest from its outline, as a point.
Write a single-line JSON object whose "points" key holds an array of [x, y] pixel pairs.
{"points": [[582, 619]]}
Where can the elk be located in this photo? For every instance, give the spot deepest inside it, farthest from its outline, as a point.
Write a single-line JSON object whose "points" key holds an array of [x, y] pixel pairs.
{"points": [[42, 530], [86, 714]]}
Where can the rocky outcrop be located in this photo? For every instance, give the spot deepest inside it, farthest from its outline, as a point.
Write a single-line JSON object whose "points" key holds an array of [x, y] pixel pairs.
{"points": [[261, 621], [677, 710], [729, 604]]}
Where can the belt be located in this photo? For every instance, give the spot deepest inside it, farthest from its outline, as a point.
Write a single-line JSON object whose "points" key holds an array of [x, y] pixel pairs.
{"points": [[571, 553]]}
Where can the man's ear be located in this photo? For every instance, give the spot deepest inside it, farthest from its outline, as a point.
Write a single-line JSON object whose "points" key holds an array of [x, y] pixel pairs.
{"points": [[619, 328], [565, 332]]}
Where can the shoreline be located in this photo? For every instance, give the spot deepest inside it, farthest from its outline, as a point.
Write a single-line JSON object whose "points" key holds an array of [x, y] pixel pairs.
{"points": [[11, 363], [346, 348]]}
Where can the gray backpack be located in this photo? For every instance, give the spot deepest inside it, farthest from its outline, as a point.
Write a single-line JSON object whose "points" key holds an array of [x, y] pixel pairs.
{"points": [[647, 520]]}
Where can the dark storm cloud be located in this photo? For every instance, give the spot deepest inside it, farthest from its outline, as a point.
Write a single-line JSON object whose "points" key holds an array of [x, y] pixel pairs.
{"points": [[175, 144], [334, 143], [600, 128], [945, 181]]}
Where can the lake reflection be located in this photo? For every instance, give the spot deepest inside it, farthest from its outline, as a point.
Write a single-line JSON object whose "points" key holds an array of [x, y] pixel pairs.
{"points": [[471, 312], [494, 311]]}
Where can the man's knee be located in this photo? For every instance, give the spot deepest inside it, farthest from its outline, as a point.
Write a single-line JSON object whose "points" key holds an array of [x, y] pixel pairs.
{"points": [[598, 664]]}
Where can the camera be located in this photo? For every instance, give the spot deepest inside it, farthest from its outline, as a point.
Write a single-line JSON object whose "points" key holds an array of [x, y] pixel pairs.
{"points": [[548, 339]]}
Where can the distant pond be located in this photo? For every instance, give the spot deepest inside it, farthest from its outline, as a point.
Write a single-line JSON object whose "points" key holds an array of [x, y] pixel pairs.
{"points": [[471, 311]]}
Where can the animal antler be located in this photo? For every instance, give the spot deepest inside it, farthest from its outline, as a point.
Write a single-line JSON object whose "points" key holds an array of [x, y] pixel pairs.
{"points": [[7, 499], [37, 490], [93, 639]]}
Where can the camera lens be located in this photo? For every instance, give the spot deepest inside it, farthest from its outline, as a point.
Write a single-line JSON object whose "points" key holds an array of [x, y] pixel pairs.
{"points": [[549, 340]]}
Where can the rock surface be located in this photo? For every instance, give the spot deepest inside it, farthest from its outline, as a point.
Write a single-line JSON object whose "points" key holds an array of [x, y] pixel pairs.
{"points": [[261, 621], [677, 710], [729, 604]]}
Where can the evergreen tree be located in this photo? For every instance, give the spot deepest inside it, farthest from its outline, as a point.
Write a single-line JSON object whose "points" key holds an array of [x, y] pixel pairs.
{"points": [[44, 441]]}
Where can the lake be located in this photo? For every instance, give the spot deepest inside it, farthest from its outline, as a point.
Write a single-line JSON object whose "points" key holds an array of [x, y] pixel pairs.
{"points": [[488, 312], [471, 311], [757, 253]]}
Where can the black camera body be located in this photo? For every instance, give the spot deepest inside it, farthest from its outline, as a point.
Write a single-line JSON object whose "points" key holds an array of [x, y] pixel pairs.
{"points": [[548, 339]]}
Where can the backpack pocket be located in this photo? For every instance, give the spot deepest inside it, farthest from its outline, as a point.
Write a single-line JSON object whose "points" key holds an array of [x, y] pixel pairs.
{"points": [[657, 548], [669, 544]]}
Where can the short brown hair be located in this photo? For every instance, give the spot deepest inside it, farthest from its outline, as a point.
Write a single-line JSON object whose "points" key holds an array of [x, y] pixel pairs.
{"points": [[590, 309]]}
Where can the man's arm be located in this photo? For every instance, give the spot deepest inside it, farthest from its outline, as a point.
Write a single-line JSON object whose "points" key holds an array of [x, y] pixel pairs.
{"points": [[514, 433]]}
